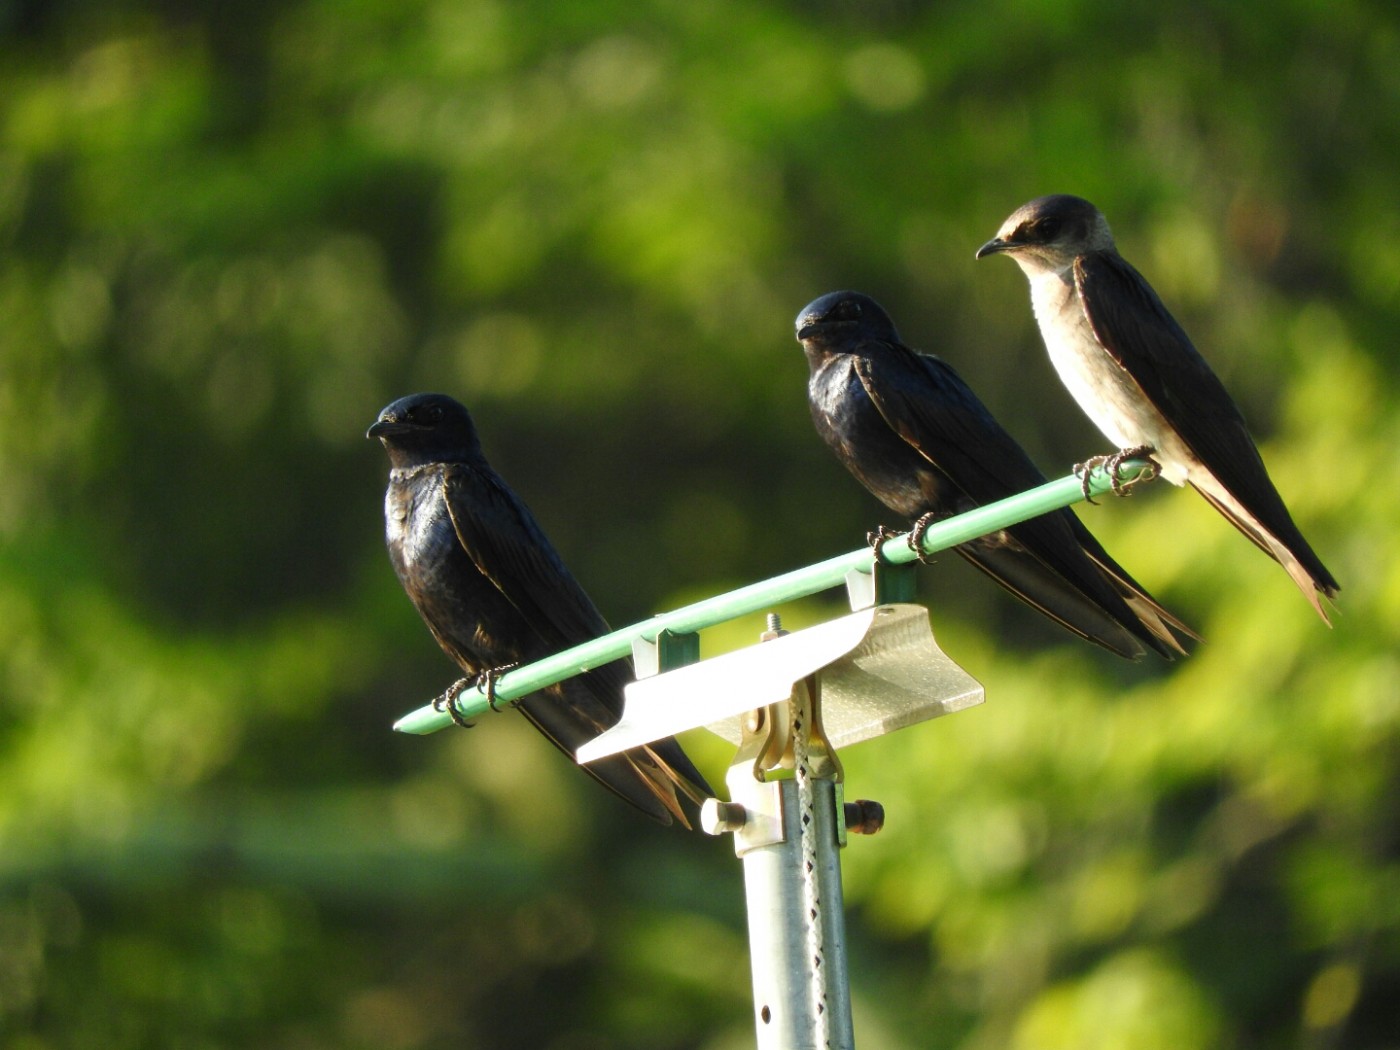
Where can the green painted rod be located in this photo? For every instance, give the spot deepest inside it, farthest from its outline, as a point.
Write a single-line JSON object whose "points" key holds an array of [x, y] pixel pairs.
{"points": [[765, 594]]}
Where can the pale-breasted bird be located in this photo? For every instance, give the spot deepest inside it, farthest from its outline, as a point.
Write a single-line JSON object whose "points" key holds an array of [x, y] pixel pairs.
{"points": [[1136, 374]]}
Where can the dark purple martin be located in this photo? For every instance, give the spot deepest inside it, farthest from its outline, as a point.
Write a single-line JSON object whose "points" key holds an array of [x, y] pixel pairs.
{"points": [[914, 434], [1136, 374], [494, 592]]}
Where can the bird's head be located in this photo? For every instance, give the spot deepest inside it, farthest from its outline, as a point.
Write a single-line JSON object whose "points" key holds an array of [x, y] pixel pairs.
{"points": [[426, 428], [825, 322], [1048, 233]]}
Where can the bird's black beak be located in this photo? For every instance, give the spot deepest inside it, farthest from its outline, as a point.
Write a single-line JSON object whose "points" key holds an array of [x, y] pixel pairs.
{"points": [[386, 427], [806, 327], [995, 245]]}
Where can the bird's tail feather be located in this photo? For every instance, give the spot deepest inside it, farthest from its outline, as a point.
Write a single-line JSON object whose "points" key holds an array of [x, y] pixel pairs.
{"points": [[571, 713], [663, 780], [649, 778], [680, 770], [639, 778], [1151, 614], [1041, 587], [1311, 585]]}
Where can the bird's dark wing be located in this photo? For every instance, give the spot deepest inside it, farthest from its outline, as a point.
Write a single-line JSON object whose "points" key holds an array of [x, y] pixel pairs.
{"points": [[509, 548], [927, 404], [1132, 324], [1051, 560]]}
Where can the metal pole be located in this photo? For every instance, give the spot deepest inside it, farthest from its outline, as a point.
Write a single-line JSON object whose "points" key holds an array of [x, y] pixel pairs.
{"points": [[801, 998], [802, 708], [787, 835], [787, 1015]]}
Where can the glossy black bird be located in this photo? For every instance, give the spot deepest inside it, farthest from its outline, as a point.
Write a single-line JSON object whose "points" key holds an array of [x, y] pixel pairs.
{"points": [[1136, 374], [492, 590], [914, 434]]}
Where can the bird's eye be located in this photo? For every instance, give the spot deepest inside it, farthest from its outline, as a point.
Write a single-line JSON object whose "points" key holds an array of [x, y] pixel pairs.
{"points": [[430, 413], [1046, 229], [848, 311]]}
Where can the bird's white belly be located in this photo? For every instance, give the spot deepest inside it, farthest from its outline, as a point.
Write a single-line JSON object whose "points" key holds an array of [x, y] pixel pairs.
{"points": [[1104, 390]]}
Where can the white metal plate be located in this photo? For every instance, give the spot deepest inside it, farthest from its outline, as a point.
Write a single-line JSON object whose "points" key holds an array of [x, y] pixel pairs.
{"points": [[881, 669]]}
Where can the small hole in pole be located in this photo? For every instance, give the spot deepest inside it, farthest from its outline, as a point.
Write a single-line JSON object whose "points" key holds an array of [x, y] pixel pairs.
{"points": [[765, 1015]]}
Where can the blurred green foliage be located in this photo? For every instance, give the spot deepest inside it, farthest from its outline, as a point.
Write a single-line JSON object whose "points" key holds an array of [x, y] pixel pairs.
{"points": [[229, 233]]}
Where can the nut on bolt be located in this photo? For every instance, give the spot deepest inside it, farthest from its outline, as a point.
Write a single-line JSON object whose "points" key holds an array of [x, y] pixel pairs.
{"points": [[864, 816]]}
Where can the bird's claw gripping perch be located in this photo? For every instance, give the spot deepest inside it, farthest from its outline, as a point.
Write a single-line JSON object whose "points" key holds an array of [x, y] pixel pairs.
{"points": [[1082, 472], [1110, 465], [916, 537], [1143, 452], [448, 701], [876, 540], [486, 683]]}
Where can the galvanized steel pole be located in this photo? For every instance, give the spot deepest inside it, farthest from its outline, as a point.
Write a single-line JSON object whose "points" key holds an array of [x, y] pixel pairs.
{"points": [[787, 1014]]}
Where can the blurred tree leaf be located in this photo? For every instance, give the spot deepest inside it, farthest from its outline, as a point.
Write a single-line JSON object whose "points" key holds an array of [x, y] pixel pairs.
{"points": [[231, 233]]}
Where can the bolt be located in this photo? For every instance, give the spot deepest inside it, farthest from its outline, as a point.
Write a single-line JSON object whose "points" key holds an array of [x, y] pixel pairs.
{"points": [[864, 817], [717, 817], [775, 628]]}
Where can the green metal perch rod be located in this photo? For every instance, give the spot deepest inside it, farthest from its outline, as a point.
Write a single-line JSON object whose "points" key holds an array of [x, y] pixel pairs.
{"points": [[765, 594]]}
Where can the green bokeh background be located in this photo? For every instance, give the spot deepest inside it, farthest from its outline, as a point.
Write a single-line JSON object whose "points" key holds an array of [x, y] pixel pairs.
{"points": [[230, 233]]}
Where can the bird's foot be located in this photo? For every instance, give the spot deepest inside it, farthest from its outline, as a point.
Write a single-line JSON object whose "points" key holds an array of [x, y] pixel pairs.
{"points": [[485, 683], [448, 701], [1110, 465], [877, 539], [1082, 472], [916, 537], [1113, 462]]}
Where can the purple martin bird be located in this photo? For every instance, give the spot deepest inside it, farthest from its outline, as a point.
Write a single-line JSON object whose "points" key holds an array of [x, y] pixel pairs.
{"points": [[1135, 373], [493, 592], [914, 434]]}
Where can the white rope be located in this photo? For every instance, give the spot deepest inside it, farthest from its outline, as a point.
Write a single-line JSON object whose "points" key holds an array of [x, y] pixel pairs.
{"points": [[811, 897]]}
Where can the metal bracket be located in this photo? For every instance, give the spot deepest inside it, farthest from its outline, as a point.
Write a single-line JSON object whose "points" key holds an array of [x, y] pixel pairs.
{"points": [[669, 651], [882, 584], [763, 762], [881, 670]]}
